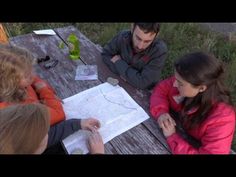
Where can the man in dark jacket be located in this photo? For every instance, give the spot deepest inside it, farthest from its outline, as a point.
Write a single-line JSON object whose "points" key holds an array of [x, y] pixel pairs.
{"points": [[138, 55]]}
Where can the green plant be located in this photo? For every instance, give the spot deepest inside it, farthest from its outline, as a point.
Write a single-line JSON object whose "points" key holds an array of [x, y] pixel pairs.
{"points": [[74, 49]]}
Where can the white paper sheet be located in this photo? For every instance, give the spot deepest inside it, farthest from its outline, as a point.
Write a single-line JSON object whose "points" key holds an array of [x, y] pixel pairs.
{"points": [[45, 32], [86, 72], [111, 105]]}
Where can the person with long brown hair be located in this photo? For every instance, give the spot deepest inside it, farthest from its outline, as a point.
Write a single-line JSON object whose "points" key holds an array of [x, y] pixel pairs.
{"points": [[196, 100]]}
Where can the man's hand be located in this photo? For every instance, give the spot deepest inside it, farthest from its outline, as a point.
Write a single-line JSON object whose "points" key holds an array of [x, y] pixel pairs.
{"points": [[115, 58], [167, 124], [95, 143], [90, 124]]}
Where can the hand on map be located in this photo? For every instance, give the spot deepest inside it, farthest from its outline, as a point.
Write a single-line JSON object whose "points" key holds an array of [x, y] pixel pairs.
{"points": [[95, 143], [90, 124]]}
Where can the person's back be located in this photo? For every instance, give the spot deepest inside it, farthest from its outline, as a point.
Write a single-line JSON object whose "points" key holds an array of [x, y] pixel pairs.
{"points": [[24, 129], [137, 56]]}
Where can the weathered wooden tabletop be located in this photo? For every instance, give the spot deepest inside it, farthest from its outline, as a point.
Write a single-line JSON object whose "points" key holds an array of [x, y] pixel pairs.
{"points": [[145, 138]]}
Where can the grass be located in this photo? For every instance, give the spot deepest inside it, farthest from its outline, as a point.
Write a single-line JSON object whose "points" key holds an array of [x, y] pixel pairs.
{"points": [[181, 38], [101, 33], [231, 81], [15, 29]]}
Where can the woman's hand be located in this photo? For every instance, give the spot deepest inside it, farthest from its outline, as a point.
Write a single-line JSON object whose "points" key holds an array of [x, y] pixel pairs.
{"points": [[89, 124], [95, 143], [167, 124]]}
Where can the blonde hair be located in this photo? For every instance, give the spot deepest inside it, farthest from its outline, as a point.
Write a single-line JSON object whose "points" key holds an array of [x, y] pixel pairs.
{"points": [[22, 128], [14, 62]]}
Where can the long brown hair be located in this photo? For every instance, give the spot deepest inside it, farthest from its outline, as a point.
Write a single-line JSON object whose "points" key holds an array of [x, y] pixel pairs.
{"points": [[14, 62], [22, 128], [202, 69]]}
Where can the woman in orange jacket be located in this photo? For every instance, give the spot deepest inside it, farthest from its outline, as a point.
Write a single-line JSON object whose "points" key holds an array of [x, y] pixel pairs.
{"points": [[19, 85]]}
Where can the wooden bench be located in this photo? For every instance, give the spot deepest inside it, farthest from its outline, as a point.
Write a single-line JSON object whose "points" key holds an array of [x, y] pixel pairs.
{"points": [[145, 138]]}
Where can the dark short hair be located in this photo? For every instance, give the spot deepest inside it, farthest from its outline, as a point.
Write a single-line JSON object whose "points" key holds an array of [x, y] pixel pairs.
{"points": [[148, 27]]}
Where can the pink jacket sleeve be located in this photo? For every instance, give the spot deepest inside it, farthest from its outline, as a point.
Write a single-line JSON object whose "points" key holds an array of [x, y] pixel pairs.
{"points": [[216, 139], [159, 101]]}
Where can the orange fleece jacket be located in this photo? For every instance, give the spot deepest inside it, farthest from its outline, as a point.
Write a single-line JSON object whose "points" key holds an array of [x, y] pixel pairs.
{"points": [[41, 92]]}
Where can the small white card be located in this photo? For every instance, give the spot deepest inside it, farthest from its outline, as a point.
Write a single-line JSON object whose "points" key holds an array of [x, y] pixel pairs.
{"points": [[86, 72], [45, 32]]}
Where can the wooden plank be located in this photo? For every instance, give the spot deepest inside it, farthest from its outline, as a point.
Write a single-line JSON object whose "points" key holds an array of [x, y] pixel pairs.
{"points": [[109, 149], [62, 76], [154, 128], [91, 54], [138, 140]]}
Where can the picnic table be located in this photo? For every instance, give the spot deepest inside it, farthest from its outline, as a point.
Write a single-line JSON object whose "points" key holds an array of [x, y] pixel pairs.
{"points": [[145, 138]]}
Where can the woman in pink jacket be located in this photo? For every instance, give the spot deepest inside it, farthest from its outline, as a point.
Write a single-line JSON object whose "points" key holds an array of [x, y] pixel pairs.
{"points": [[196, 99]]}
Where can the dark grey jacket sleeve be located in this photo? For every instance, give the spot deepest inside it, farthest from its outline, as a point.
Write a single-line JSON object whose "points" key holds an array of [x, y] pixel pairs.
{"points": [[111, 49], [151, 72], [60, 131]]}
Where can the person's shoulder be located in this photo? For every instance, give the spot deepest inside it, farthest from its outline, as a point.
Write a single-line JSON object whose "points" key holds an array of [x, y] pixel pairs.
{"points": [[224, 106], [160, 45], [169, 81], [125, 34], [123, 37], [223, 111]]}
